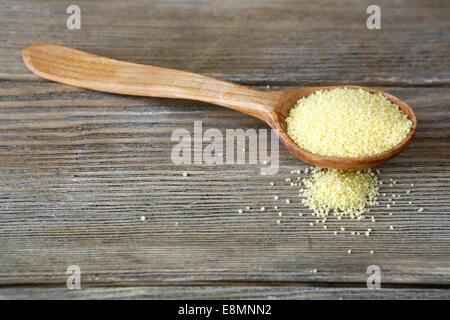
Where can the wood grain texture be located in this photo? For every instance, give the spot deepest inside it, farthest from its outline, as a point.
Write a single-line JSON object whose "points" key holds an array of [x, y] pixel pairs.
{"points": [[268, 41], [224, 293], [79, 168]]}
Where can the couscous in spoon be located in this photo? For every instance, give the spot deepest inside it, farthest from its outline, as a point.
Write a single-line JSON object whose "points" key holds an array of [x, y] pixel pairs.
{"points": [[85, 70]]}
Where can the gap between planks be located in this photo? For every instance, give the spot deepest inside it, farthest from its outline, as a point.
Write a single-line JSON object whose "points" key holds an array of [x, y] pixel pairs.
{"points": [[257, 82], [306, 284]]}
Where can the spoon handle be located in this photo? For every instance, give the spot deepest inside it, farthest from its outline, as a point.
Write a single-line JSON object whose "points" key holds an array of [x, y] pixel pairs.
{"points": [[85, 70]]}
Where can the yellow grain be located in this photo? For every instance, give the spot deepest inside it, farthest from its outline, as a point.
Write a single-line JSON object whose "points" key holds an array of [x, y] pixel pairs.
{"points": [[340, 192], [347, 123]]}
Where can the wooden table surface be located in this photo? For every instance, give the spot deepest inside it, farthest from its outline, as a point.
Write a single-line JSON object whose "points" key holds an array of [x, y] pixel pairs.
{"points": [[79, 168]]}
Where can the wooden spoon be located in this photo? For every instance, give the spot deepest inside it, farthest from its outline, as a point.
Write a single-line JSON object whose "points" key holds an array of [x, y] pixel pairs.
{"points": [[85, 70]]}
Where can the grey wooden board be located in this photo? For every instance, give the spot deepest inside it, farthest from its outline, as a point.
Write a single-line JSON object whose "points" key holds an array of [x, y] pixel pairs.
{"points": [[224, 293], [79, 168], [289, 41]]}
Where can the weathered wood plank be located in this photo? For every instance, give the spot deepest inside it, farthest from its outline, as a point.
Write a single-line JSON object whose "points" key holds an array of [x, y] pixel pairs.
{"points": [[266, 41], [79, 168], [224, 293]]}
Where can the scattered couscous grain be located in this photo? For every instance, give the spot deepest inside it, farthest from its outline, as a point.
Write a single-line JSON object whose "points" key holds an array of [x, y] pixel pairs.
{"points": [[240, 211], [346, 122], [420, 210], [349, 251], [143, 218], [185, 174]]}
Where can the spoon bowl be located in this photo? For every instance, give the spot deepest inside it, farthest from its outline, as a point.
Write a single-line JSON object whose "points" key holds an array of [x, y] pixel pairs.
{"points": [[283, 108], [81, 69]]}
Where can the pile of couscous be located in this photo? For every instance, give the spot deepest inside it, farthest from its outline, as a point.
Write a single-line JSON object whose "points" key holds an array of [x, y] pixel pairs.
{"points": [[338, 191], [347, 123]]}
